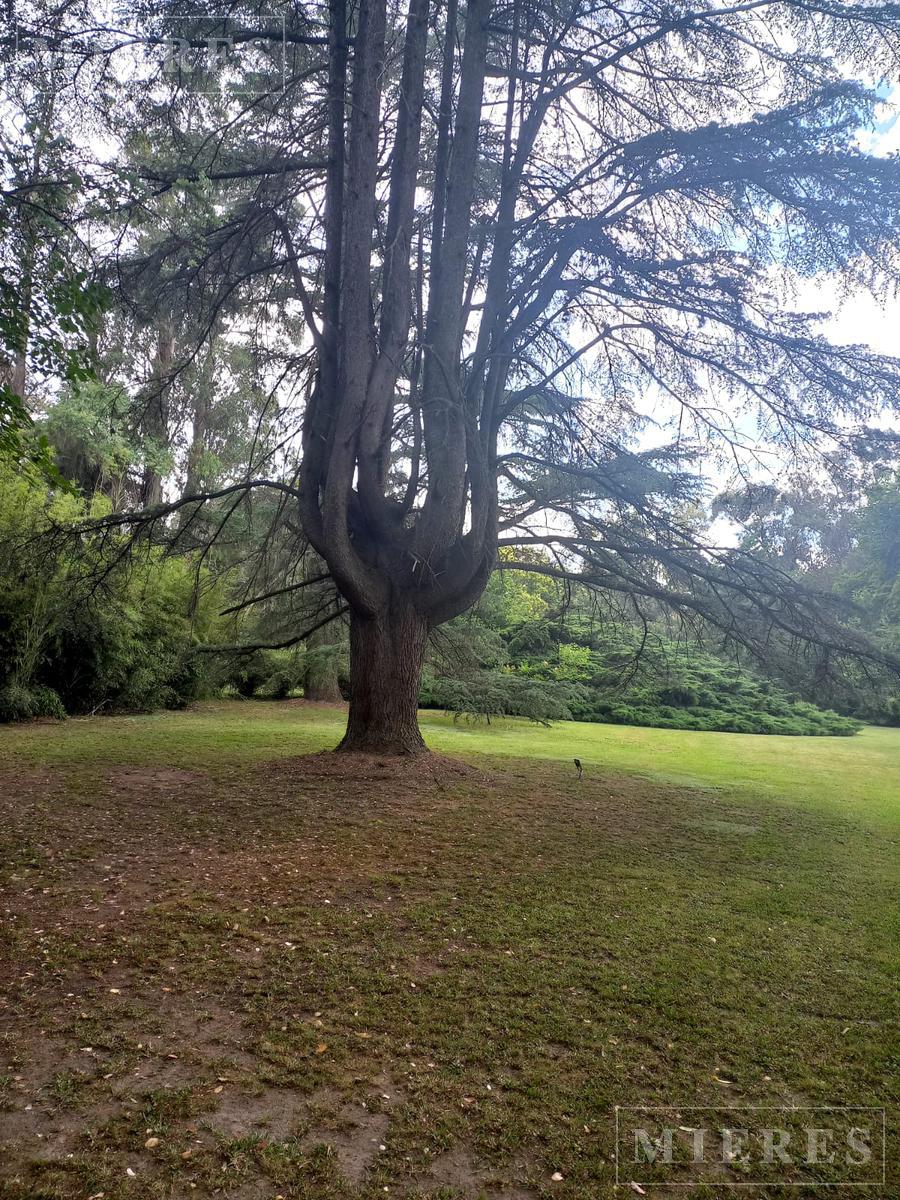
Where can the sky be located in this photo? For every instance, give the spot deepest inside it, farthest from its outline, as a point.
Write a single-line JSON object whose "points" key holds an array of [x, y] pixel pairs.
{"points": [[859, 319], [864, 318]]}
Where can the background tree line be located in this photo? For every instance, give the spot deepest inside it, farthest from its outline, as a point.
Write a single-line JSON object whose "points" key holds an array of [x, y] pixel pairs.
{"points": [[105, 626], [321, 355]]}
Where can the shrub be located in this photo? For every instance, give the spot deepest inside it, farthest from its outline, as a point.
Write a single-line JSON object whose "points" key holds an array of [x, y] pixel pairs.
{"points": [[534, 639], [631, 681], [284, 672], [486, 694], [678, 696], [18, 703], [246, 672], [270, 673]]}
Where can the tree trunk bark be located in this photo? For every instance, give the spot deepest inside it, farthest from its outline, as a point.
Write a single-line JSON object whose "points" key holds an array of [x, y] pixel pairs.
{"points": [[155, 418], [386, 656], [321, 680]]}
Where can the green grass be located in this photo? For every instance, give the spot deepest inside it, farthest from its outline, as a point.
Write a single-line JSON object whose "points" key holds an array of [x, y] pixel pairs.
{"points": [[844, 775], [489, 964]]}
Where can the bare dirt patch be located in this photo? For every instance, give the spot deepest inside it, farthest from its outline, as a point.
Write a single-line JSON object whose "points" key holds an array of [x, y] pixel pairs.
{"points": [[410, 772], [459, 1170], [274, 1111], [155, 778], [356, 1141]]}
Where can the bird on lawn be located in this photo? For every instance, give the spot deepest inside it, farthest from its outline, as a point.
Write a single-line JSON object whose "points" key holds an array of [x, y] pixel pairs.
{"points": [[578, 767]]}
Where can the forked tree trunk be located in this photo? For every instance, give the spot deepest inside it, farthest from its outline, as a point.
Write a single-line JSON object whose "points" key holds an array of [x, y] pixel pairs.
{"points": [[386, 656]]}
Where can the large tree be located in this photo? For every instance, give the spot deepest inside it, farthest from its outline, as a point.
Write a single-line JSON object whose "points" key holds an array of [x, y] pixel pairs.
{"points": [[509, 227]]}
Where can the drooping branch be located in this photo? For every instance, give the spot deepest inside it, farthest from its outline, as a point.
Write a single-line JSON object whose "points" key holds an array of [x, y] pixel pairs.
{"points": [[286, 643]]}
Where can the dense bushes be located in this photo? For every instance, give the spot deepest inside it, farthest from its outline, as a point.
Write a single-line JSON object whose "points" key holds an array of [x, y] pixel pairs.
{"points": [[803, 719], [673, 686], [80, 635], [565, 670], [87, 628], [20, 703], [486, 694], [274, 674]]}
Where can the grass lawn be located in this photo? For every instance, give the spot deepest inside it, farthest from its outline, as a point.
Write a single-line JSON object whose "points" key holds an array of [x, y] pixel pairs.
{"points": [[233, 972]]}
